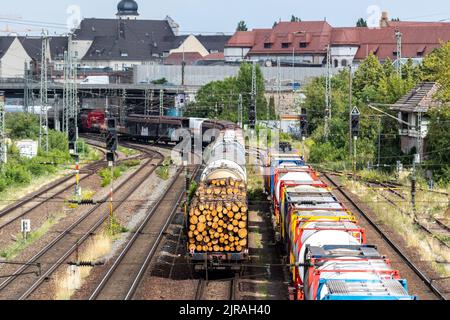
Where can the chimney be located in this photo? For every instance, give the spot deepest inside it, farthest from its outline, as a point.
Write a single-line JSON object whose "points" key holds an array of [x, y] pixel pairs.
{"points": [[384, 21]]}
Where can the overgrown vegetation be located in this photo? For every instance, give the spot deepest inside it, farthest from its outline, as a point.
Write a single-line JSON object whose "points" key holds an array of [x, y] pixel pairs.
{"points": [[109, 175], [164, 169], [379, 84], [20, 171], [219, 99]]}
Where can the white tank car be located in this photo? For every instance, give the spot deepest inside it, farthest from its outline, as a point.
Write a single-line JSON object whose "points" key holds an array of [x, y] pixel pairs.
{"points": [[225, 157]]}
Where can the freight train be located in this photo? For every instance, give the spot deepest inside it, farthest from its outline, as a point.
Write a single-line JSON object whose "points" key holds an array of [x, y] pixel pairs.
{"points": [[217, 220], [327, 249]]}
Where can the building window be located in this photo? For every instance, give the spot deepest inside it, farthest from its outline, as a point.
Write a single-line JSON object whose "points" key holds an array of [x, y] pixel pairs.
{"points": [[344, 63], [267, 45], [336, 63], [303, 44], [285, 45]]}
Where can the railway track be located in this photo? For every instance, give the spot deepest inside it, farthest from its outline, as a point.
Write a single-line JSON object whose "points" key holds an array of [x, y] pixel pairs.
{"points": [[122, 279], [20, 285], [409, 268], [29, 204], [217, 289], [430, 225]]}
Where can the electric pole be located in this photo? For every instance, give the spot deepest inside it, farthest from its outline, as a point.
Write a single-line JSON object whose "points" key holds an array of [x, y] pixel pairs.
{"points": [[328, 95], [350, 98], [240, 113], [3, 151], [398, 36], [26, 90], [252, 111], [43, 115], [278, 86], [161, 103]]}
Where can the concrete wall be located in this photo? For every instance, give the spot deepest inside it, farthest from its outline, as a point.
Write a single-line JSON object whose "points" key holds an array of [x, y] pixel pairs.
{"points": [[201, 75]]}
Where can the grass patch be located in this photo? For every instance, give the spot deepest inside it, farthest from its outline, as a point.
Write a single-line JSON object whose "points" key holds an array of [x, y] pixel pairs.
{"points": [[108, 176], [115, 228], [127, 152], [164, 169], [402, 222], [16, 248], [65, 284]]}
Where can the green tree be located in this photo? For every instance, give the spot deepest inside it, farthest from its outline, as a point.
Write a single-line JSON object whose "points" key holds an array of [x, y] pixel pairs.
{"points": [[219, 99], [274, 24], [242, 26], [436, 68], [367, 77], [295, 19], [439, 143], [22, 125], [361, 23]]}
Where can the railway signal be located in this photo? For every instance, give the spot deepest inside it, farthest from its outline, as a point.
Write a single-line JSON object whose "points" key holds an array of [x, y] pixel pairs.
{"points": [[304, 125], [111, 136], [355, 121], [72, 136], [355, 133]]}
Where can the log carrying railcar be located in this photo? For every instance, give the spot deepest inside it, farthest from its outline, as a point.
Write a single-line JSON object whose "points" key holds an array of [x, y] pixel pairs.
{"points": [[217, 222]]}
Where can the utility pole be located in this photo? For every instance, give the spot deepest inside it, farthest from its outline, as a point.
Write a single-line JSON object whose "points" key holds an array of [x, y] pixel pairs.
{"points": [[398, 36], [43, 115], [252, 111], [65, 114], [379, 141], [240, 112], [279, 85], [350, 107], [328, 95], [123, 107], [161, 103], [3, 151], [26, 90]]}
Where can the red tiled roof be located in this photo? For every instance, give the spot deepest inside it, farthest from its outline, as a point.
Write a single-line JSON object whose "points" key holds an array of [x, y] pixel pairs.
{"points": [[177, 58], [383, 42], [417, 24], [418, 38], [215, 56], [247, 38], [316, 34]]}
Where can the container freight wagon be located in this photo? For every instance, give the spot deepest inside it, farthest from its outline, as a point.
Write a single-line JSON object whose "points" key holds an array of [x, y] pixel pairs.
{"points": [[351, 272], [217, 221]]}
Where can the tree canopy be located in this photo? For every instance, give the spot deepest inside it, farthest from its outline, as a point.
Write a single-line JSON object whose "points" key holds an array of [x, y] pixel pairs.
{"points": [[220, 99], [361, 23], [295, 19], [242, 26]]}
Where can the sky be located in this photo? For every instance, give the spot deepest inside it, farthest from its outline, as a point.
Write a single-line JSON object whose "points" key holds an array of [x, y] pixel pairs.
{"points": [[211, 16]]}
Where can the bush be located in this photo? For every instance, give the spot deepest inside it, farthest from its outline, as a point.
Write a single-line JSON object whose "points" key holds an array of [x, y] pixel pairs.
{"points": [[17, 174]]}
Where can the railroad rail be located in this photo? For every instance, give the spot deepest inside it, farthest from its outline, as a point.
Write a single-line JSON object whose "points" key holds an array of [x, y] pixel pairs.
{"points": [[223, 289], [412, 266], [19, 205], [65, 244], [122, 279]]}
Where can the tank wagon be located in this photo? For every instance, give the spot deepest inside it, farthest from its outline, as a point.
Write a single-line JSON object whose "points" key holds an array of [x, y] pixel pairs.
{"points": [[326, 248]]}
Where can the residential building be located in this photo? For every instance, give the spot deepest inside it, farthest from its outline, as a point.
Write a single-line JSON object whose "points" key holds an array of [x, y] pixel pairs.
{"points": [[305, 43], [413, 111], [18, 52]]}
